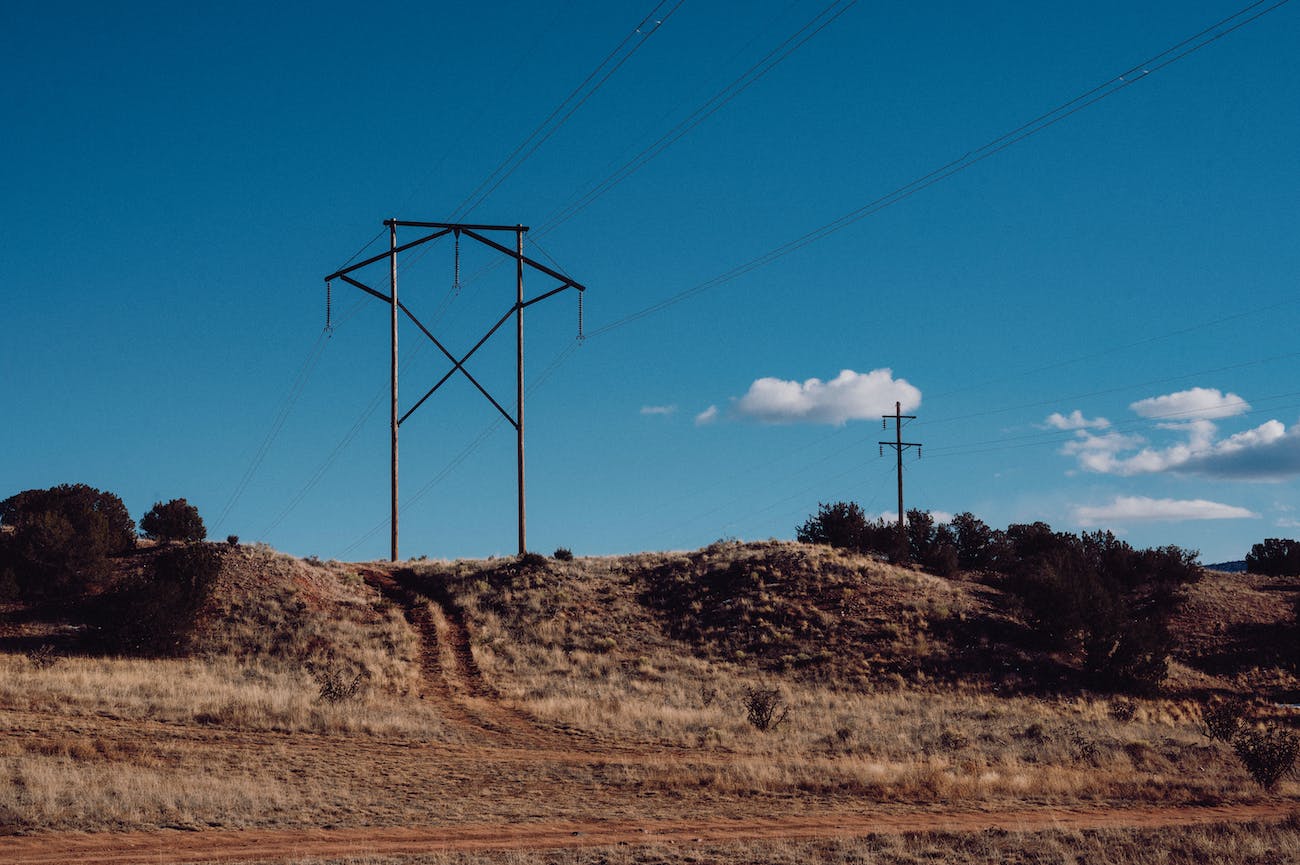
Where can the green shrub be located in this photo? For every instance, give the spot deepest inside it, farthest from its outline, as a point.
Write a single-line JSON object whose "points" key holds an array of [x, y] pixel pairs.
{"points": [[60, 540], [844, 525], [176, 520], [974, 541], [1096, 595], [1274, 557], [155, 613], [1267, 754], [563, 554]]}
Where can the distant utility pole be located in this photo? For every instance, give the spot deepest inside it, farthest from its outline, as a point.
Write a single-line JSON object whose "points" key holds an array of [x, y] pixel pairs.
{"points": [[899, 446], [440, 229]]}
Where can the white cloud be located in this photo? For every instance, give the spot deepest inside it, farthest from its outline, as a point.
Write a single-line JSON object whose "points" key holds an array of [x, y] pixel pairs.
{"points": [[658, 409], [848, 396], [1075, 420], [1199, 403], [1130, 508], [708, 416], [1268, 452]]}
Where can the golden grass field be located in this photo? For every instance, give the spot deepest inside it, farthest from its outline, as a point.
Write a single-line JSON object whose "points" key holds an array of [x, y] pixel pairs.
{"points": [[495, 694]]}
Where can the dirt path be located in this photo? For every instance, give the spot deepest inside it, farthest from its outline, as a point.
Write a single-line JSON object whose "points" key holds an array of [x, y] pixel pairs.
{"points": [[234, 846], [452, 676]]}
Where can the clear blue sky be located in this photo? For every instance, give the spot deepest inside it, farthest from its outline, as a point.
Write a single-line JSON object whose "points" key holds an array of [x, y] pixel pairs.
{"points": [[178, 179]]}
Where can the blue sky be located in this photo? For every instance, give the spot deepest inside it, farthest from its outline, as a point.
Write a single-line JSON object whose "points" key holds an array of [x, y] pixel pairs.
{"points": [[1095, 325]]}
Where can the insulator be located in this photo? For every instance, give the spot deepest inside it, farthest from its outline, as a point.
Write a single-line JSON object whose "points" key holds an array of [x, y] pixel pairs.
{"points": [[455, 280], [580, 334], [329, 322]]}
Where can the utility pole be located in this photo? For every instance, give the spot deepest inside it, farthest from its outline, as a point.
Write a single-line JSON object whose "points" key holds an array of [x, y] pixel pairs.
{"points": [[478, 233], [392, 282], [899, 446]]}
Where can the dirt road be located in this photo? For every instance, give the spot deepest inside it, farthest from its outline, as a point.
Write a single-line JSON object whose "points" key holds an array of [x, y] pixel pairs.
{"points": [[151, 848]]}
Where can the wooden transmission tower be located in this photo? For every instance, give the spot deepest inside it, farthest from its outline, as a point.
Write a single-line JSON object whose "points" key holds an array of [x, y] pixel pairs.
{"points": [[432, 231]]}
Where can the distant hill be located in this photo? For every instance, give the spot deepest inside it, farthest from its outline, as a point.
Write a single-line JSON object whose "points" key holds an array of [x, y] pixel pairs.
{"points": [[1228, 567]]}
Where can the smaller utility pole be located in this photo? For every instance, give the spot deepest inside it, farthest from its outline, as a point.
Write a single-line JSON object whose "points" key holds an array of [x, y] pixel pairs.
{"points": [[899, 446]]}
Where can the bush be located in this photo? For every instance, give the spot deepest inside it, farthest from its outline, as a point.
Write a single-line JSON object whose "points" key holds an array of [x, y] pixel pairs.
{"points": [[1223, 720], [1095, 594], [531, 560], [842, 524], [232, 540], [335, 687], [765, 708], [155, 613], [1267, 754], [176, 520], [1275, 557], [974, 541], [61, 539], [563, 554]]}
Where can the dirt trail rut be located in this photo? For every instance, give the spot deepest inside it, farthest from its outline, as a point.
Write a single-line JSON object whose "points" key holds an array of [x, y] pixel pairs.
{"points": [[138, 848], [452, 676]]}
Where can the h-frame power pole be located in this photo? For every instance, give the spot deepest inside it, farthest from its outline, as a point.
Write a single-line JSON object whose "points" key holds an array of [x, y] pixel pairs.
{"points": [[899, 446], [478, 233]]}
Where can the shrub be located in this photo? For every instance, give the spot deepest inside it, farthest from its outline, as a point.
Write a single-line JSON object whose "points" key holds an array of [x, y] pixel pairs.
{"points": [[155, 613], [232, 540], [974, 541], [335, 687], [61, 539], [842, 524], [1123, 710], [176, 520], [43, 656], [765, 708], [1224, 719], [1267, 754], [531, 560], [1096, 595], [1275, 557], [563, 554]]}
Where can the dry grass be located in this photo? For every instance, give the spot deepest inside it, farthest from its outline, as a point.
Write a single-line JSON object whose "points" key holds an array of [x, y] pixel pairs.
{"points": [[236, 734], [223, 690], [289, 613], [573, 643], [76, 785], [1225, 844]]}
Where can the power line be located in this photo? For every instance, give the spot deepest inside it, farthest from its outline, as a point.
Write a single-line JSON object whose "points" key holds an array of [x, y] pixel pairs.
{"points": [[541, 133], [1117, 389], [1124, 80], [750, 76]]}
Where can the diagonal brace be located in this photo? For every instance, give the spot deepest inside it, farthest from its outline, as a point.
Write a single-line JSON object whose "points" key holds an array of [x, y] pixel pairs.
{"points": [[458, 364]]}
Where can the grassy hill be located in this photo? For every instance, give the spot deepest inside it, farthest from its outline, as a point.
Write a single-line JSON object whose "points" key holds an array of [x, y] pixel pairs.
{"points": [[632, 679]]}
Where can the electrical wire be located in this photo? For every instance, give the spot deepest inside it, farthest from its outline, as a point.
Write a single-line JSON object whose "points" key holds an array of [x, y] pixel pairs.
{"points": [[749, 77], [542, 133], [1118, 83]]}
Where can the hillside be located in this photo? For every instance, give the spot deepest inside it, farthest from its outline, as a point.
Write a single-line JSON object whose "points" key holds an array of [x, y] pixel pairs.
{"points": [[585, 697]]}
